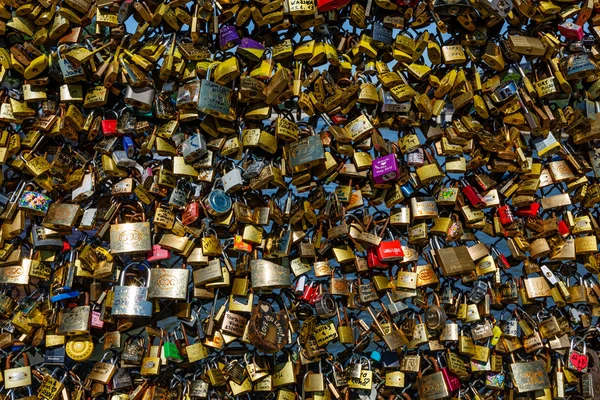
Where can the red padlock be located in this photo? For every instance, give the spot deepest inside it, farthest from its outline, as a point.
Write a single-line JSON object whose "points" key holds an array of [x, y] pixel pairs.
{"points": [[530, 210], [474, 197], [109, 126], [191, 213], [310, 291], [373, 260], [330, 5], [339, 119], [406, 3], [500, 258], [563, 228], [317, 294], [390, 250], [571, 30], [505, 214]]}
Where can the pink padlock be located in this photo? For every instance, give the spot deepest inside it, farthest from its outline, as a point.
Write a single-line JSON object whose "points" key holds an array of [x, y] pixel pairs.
{"points": [[571, 30], [96, 321], [385, 169], [158, 253], [450, 378]]}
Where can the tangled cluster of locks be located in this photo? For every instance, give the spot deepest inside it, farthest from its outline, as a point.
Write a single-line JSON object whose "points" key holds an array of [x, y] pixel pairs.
{"points": [[299, 199]]}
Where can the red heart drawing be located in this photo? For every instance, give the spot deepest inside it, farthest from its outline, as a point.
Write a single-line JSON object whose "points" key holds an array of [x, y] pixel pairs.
{"points": [[579, 361]]}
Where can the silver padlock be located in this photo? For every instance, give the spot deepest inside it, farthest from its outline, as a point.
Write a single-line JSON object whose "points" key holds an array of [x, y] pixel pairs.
{"points": [[232, 180], [253, 170], [478, 292], [354, 368], [416, 158], [122, 160], [179, 195], [140, 97], [88, 220], [193, 147]]}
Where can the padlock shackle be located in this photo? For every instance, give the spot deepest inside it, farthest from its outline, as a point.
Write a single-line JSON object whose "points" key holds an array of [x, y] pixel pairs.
{"points": [[135, 264]]}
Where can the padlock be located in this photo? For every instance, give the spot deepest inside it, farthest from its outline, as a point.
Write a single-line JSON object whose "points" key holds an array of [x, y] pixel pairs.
{"points": [[75, 321], [16, 377], [214, 98], [52, 385], [103, 371], [132, 237], [131, 300]]}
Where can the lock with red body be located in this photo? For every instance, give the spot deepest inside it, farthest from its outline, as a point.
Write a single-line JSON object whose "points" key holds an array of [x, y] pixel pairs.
{"points": [[310, 291], [530, 210], [571, 30], [474, 197], [505, 214], [390, 250], [330, 5], [109, 125], [373, 260]]}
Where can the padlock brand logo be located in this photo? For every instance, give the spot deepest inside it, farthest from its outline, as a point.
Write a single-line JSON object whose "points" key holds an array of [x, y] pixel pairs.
{"points": [[130, 237], [13, 272], [167, 281], [431, 387], [59, 213], [426, 274]]}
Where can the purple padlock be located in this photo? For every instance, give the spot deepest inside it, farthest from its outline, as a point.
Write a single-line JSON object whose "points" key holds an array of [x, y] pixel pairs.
{"points": [[251, 49], [385, 169], [248, 43], [228, 37]]}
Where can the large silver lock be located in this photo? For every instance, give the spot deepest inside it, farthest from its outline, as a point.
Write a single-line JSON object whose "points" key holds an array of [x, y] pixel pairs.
{"points": [[140, 97], [354, 368], [478, 292], [214, 98], [253, 170], [132, 300]]}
